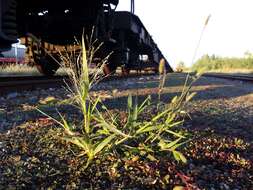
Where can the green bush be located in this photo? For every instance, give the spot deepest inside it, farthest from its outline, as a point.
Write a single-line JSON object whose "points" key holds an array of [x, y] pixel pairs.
{"points": [[207, 63]]}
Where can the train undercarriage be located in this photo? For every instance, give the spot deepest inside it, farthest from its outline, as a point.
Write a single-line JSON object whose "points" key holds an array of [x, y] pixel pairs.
{"points": [[46, 27]]}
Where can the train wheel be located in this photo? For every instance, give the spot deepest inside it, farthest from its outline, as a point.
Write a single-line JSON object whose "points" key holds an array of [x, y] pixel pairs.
{"points": [[47, 66]]}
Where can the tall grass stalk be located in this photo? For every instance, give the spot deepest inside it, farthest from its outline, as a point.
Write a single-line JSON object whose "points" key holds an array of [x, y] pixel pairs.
{"points": [[162, 79], [196, 49]]}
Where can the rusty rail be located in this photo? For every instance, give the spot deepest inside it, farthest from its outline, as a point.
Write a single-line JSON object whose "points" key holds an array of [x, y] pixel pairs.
{"points": [[8, 84], [19, 84]]}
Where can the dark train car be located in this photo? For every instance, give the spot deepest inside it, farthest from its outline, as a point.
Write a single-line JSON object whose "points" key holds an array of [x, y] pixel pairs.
{"points": [[57, 22], [137, 44]]}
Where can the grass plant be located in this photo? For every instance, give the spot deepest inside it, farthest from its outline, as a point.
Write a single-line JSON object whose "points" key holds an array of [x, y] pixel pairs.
{"points": [[100, 132]]}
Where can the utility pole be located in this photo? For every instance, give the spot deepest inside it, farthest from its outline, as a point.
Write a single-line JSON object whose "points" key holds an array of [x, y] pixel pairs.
{"points": [[132, 6]]}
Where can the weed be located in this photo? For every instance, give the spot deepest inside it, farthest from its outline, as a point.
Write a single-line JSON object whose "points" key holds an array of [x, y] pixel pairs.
{"points": [[100, 132]]}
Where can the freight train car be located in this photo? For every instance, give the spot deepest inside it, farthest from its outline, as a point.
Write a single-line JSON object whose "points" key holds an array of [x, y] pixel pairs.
{"points": [[56, 23]]}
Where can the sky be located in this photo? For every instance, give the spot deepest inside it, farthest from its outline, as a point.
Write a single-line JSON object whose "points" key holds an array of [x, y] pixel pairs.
{"points": [[176, 27]]}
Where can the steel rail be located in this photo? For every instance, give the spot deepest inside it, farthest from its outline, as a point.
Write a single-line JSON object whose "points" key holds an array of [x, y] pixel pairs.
{"points": [[241, 77]]}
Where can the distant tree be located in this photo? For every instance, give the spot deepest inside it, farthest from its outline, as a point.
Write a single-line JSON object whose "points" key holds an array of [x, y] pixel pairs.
{"points": [[209, 63]]}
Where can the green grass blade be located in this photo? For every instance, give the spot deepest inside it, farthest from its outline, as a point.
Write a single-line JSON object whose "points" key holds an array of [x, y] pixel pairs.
{"points": [[130, 102], [167, 146], [160, 115], [66, 126], [85, 63], [58, 122], [179, 156], [147, 129], [101, 122], [144, 104], [103, 144], [174, 133]]}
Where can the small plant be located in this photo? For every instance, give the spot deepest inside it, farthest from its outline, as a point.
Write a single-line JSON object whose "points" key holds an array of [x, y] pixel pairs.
{"points": [[100, 132], [92, 138]]}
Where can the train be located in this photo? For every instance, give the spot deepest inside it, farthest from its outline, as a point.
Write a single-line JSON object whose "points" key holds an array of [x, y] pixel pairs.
{"points": [[43, 25]]}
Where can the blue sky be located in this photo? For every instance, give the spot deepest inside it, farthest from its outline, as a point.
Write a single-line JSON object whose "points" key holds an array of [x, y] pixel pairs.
{"points": [[176, 26]]}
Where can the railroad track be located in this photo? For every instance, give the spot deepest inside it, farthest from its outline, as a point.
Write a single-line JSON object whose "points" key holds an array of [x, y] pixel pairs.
{"points": [[21, 83], [241, 77], [9, 84]]}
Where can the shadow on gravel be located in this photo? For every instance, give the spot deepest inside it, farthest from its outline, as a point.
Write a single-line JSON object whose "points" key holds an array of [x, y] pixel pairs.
{"points": [[203, 93], [172, 80], [18, 118], [223, 122], [217, 112]]}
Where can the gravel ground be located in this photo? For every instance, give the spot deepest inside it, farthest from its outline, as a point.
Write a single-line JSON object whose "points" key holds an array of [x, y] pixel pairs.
{"points": [[216, 98], [221, 113]]}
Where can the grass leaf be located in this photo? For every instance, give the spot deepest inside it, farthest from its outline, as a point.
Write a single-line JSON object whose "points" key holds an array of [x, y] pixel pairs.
{"points": [[179, 156], [103, 144]]}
